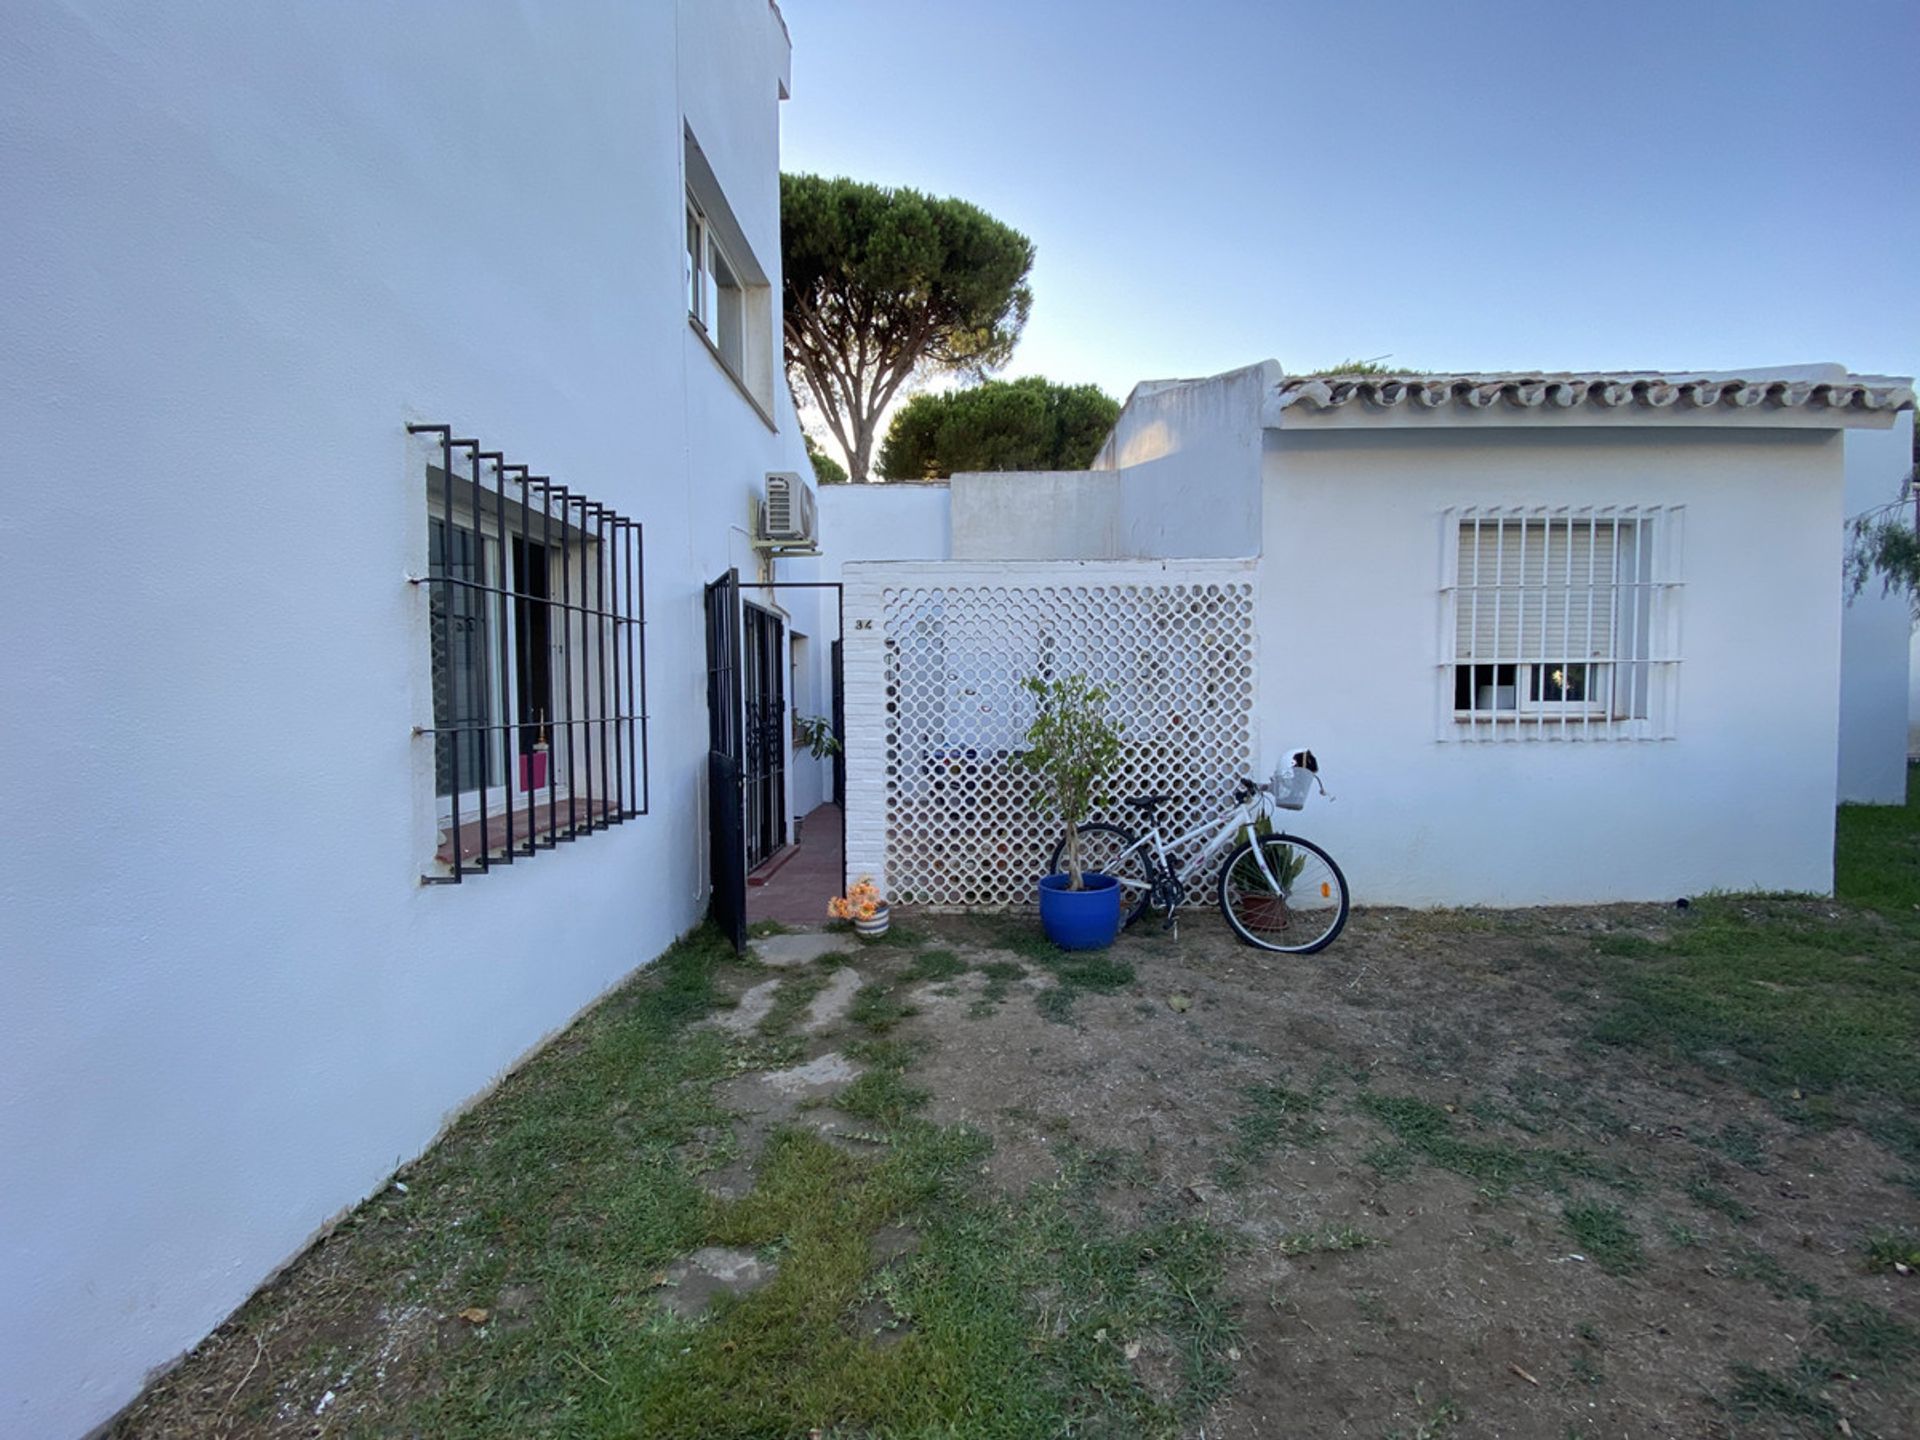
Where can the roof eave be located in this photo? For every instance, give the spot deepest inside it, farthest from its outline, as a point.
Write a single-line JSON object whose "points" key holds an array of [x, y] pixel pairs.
{"points": [[1822, 399]]}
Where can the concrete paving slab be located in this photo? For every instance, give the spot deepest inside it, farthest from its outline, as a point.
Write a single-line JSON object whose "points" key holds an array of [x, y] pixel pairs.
{"points": [[830, 1006], [822, 1076], [693, 1284], [751, 1010], [786, 951]]}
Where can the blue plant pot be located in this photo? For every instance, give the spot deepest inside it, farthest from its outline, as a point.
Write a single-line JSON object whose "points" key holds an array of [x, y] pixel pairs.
{"points": [[1086, 919]]}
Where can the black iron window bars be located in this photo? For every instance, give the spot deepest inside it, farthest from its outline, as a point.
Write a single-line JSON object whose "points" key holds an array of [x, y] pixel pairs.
{"points": [[538, 602]]}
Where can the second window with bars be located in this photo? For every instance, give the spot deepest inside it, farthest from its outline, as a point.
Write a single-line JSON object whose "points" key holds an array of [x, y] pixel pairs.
{"points": [[1561, 623]]}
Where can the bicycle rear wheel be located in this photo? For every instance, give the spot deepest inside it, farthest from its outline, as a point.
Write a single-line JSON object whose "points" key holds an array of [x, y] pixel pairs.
{"points": [[1101, 848], [1303, 915]]}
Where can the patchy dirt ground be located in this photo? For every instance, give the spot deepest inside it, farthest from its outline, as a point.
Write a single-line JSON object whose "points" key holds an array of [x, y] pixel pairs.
{"points": [[1383, 1293], [1448, 1209]]}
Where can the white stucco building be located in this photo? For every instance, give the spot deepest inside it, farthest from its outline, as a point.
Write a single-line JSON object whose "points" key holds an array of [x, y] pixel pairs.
{"points": [[247, 247], [1556, 638]]}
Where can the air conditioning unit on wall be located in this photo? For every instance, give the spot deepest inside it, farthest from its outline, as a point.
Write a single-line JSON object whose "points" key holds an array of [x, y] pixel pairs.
{"points": [[787, 517]]}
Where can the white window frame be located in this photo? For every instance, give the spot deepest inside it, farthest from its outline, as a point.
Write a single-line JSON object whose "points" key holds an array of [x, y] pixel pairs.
{"points": [[706, 257], [1632, 689], [569, 549]]}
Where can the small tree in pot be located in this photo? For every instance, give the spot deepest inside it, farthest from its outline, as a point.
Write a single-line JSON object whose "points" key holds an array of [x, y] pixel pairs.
{"points": [[1070, 745]]}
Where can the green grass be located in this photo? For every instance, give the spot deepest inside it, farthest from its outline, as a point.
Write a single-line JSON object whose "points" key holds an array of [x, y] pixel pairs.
{"points": [[976, 1355], [1702, 1190], [877, 1008], [1000, 974], [1741, 1144], [1810, 1003], [796, 992], [1077, 973], [1605, 1235], [1796, 1395], [936, 965], [575, 1183], [1862, 1338], [1432, 1425], [1425, 1132], [1752, 1263], [1889, 1248], [1275, 1116], [1868, 1337], [1876, 854], [1329, 1239]]}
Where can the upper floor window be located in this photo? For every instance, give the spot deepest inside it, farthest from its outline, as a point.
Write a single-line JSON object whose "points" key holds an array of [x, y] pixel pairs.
{"points": [[1562, 624], [729, 296], [715, 298]]}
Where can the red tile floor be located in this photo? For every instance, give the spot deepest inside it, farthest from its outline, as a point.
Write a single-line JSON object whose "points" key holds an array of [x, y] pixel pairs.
{"points": [[796, 884]]}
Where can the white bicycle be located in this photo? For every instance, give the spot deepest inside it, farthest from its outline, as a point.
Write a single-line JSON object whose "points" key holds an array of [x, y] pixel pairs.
{"points": [[1277, 891]]}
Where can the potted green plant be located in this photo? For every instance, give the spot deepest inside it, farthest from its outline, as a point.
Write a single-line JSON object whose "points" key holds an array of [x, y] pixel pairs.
{"points": [[1264, 908], [814, 734], [1071, 746]]}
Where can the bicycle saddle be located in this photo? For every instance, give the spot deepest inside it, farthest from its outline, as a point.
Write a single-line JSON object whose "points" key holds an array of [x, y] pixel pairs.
{"points": [[1148, 803]]}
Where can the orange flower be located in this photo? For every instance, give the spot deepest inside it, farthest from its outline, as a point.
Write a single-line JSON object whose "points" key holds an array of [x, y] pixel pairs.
{"points": [[861, 901]]}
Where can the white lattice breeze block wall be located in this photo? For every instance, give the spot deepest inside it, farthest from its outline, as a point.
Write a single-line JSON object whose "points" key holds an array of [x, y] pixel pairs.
{"points": [[937, 811]]}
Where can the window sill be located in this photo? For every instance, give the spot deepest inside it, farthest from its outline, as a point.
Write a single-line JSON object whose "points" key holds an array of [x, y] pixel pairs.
{"points": [[693, 324], [564, 819]]}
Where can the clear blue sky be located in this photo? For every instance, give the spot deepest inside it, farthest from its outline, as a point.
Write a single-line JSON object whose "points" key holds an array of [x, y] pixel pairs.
{"points": [[1456, 184]]}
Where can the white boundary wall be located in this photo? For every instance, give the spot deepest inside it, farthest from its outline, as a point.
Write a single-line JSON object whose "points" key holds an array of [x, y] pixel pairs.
{"points": [[1187, 706]]}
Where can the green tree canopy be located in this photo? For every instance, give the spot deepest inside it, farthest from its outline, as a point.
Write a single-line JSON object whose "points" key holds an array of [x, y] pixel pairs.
{"points": [[826, 469], [880, 285], [1026, 424]]}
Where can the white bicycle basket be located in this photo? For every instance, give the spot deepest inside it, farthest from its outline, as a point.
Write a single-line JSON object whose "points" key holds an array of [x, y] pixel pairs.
{"points": [[1291, 787], [1294, 781]]}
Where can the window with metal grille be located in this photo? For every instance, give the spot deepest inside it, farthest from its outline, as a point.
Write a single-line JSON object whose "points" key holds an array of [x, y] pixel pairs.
{"points": [[536, 599], [1560, 624]]}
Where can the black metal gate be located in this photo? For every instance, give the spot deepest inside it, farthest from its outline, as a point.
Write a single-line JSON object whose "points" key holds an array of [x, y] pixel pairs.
{"points": [[766, 720], [726, 759], [746, 763], [839, 730]]}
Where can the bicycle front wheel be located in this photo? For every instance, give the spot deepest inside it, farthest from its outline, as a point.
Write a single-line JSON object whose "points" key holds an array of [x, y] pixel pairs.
{"points": [[1111, 850], [1303, 914]]}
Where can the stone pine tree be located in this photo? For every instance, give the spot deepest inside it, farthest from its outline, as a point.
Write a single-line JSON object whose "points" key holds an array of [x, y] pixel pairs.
{"points": [[884, 285], [1025, 424]]}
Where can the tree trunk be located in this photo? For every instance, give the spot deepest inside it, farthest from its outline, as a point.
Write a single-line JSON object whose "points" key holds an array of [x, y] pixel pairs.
{"points": [[860, 456]]}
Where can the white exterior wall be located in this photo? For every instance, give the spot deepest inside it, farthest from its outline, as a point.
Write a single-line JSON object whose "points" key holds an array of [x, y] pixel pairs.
{"points": [[1876, 635], [246, 245], [895, 521], [1742, 797], [1036, 515], [1178, 478], [1913, 693], [1349, 529], [1189, 460]]}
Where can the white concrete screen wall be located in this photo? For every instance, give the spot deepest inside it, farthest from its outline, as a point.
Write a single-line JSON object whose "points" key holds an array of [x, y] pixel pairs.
{"points": [[246, 245]]}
